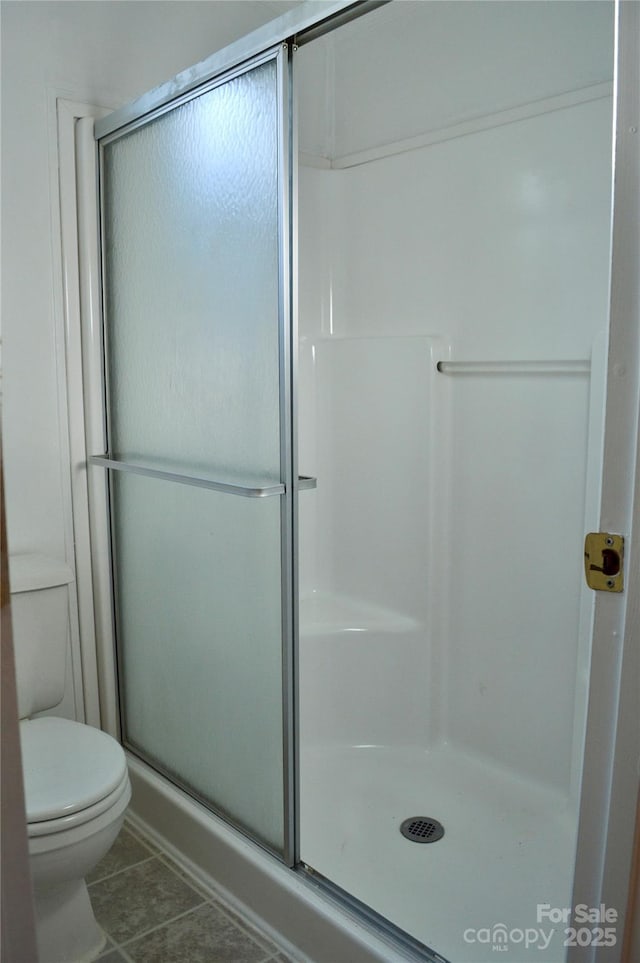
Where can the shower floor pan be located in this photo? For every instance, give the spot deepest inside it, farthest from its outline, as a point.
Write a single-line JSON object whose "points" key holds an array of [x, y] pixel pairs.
{"points": [[508, 846]]}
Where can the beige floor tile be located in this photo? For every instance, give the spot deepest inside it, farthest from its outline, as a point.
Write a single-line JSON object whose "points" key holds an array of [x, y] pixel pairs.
{"points": [[205, 936], [125, 852], [143, 896], [242, 923], [188, 878]]}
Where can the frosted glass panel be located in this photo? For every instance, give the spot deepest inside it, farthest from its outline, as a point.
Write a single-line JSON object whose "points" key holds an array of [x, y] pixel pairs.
{"points": [[199, 613], [192, 317], [191, 239]]}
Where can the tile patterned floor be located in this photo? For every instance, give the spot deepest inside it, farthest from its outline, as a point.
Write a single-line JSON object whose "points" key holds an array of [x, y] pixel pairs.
{"points": [[154, 912]]}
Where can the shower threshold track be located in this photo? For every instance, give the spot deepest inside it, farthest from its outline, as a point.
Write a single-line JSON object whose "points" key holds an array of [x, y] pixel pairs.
{"points": [[449, 893]]}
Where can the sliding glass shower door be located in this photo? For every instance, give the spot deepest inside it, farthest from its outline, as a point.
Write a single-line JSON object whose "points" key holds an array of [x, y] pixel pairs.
{"points": [[196, 352]]}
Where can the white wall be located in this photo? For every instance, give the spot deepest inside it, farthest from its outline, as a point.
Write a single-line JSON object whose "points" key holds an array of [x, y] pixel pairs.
{"points": [[458, 61]]}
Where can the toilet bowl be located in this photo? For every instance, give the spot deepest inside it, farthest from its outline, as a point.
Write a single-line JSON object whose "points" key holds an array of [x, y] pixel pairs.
{"points": [[76, 792], [75, 776]]}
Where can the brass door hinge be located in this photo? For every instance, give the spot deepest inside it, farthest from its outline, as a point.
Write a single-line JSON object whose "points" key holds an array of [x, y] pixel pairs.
{"points": [[604, 561]]}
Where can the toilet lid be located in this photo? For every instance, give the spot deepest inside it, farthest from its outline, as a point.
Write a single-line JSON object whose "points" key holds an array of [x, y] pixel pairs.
{"points": [[67, 766]]}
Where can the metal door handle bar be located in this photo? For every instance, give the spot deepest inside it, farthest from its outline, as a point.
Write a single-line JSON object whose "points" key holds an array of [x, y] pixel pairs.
{"points": [[104, 461], [197, 482]]}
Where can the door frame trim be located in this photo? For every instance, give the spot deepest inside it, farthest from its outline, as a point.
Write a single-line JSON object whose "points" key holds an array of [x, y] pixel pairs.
{"points": [[612, 741]]}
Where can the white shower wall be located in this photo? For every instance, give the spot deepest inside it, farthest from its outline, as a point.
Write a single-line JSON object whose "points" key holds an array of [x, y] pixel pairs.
{"points": [[442, 595]]}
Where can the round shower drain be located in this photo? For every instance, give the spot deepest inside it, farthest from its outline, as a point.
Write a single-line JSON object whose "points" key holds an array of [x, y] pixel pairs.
{"points": [[422, 829]]}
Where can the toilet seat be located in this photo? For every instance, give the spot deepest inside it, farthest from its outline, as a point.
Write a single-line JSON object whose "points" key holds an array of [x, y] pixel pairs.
{"points": [[48, 827], [72, 773]]}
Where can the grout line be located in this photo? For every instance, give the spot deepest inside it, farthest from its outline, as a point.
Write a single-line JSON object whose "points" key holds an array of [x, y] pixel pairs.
{"points": [[114, 948], [119, 872], [122, 952]]}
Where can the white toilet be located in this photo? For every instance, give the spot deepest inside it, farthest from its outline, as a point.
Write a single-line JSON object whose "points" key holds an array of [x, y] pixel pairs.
{"points": [[75, 777]]}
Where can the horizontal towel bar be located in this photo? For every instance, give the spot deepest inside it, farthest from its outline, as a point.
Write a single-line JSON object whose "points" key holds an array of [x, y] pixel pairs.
{"points": [[305, 482], [514, 367], [247, 492]]}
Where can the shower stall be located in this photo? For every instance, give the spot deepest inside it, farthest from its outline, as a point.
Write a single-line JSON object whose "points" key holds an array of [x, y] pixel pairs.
{"points": [[356, 284], [454, 274]]}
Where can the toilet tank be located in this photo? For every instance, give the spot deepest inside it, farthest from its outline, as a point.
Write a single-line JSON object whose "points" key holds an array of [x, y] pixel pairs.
{"points": [[40, 619]]}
